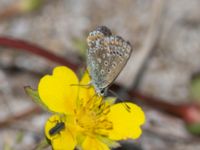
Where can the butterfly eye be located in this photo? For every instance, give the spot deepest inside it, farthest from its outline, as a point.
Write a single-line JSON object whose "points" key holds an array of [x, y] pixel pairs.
{"points": [[102, 92]]}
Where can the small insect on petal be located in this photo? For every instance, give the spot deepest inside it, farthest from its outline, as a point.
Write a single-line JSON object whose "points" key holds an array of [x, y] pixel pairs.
{"points": [[57, 128]]}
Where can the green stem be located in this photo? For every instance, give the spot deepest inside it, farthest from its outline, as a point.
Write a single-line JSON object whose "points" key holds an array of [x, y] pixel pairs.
{"points": [[42, 145]]}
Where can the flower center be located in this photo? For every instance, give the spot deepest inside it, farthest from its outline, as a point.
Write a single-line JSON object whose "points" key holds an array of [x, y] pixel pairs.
{"points": [[92, 118]]}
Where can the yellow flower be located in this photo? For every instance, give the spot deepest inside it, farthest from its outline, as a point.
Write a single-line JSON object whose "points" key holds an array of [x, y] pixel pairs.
{"points": [[90, 123]]}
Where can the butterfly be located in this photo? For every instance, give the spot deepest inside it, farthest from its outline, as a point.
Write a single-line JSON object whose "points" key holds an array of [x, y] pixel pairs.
{"points": [[106, 57]]}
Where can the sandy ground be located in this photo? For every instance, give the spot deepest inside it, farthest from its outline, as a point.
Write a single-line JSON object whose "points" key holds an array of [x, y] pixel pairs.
{"points": [[167, 75]]}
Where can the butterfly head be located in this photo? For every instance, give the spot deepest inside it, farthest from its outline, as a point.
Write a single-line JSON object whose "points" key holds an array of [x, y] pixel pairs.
{"points": [[98, 34]]}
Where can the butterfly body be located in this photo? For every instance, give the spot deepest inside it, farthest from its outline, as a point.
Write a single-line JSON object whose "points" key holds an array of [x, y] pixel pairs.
{"points": [[107, 55]]}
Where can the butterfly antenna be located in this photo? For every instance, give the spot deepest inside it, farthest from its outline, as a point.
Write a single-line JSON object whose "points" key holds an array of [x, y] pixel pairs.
{"points": [[120, 99]]}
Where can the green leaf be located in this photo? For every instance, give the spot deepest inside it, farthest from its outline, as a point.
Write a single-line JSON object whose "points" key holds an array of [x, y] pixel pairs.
{"points": [[35, 97], [109, 142], [7, 146], [194, 128], [44, 143], [19, 137], [80, 45], [30, 5], [195, 87]]}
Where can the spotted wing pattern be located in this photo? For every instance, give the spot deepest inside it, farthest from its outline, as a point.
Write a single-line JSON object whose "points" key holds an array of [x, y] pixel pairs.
{"points": [[107, 55]]}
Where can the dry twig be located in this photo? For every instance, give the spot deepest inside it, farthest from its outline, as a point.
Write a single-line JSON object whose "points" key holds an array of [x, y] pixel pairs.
{"points": [[137, 65]]}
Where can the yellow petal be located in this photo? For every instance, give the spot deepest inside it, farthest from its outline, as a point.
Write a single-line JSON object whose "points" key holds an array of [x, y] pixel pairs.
{"points": [[64, 142], [58, 140], [94, 144], [51, 122], [57, 92], [126, 122], [85, 79], [86, 90]]}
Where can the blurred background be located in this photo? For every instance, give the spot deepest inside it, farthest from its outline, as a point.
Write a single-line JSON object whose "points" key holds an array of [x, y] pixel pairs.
{"points": [[164, 66]]}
